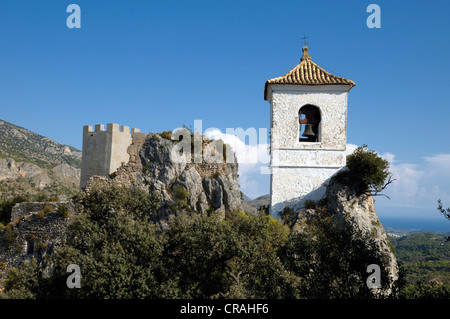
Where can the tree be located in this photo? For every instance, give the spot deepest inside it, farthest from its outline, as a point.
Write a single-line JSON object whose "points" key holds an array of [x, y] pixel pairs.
{"points": [[123, 254], [332, 259], [445, 212], [113, 243], [367, 172], [235, 258]]}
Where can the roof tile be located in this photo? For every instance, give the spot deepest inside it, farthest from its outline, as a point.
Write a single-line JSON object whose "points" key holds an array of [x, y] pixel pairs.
{"points": [[308, 73]]}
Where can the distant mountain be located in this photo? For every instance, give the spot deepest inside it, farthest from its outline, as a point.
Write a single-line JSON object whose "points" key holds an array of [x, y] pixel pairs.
{"points": [[30, 162], [22, 145], [253, 205]]}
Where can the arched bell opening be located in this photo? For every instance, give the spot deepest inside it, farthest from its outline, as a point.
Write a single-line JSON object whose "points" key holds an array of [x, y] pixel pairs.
{"points": [[309, 123]]}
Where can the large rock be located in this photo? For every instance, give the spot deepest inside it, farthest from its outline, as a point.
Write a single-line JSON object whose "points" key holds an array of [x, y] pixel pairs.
{"points": [[209, 187], [360, 210]]}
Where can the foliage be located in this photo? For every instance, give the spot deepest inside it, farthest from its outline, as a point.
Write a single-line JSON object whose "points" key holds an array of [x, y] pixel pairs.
{"points": [[102, 202], [234, 258], [430, 290], [332, 259], [62, 210], [123, 253], [112, 242], [40, 214], [425, 259], [10, 235], [180, 196], [167, 135], [22, 283], [7, 204], [367, 172], [445, 212]]}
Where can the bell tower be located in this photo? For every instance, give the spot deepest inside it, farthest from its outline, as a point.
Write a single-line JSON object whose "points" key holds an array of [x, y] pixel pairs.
{"points": [[308, 133]]}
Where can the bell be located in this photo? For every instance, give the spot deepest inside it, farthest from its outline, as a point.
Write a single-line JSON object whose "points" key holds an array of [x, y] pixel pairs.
{"points": [[308, 131]]}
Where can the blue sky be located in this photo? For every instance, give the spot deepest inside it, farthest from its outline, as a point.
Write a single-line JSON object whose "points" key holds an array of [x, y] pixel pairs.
{"points": [[157, 65]]}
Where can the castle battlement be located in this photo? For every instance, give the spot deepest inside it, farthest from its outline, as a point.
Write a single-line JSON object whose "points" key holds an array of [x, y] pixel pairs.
{"points": [[110, 127], [104, 150]]}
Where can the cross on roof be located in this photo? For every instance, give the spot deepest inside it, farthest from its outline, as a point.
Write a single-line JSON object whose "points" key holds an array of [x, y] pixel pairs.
{"points": [[304, 39]]}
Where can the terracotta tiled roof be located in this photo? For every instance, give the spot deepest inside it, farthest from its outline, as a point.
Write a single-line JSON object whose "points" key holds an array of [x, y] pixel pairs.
{"points": [[308, 73]]}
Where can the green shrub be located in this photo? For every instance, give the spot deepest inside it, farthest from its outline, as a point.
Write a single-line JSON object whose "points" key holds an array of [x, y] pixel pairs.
{"points": [[63, 211], [167, 135], [179, 193], [40, 214], [47, 208], [287, 213], [10, 235], [367, 170], [7, 205], [2, 226]]}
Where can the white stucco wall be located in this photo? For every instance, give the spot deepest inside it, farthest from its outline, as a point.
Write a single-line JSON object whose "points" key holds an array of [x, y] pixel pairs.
{"points": [[308, 158], [292, 186], [286, 101], [301, 170]]}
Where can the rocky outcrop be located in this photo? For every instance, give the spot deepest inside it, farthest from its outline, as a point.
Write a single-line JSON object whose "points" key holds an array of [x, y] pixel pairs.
{"points": [[360, 210], [200, 187]]}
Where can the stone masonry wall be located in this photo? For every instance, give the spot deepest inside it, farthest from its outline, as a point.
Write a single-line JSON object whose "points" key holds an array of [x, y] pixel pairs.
{"points": [[36, 234]]}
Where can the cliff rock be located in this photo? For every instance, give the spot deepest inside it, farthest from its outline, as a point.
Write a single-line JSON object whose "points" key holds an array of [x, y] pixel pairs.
{"points": [[199, 187], [360, 210]]}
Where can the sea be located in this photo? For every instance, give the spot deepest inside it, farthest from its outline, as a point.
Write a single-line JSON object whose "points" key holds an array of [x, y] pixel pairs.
{"points": [[416, 223]]}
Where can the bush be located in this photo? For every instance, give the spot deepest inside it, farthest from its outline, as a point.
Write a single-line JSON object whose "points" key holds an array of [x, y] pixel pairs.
{"points": [[167, 135], [63, 211], [10, 236], [367, 171], [47, 208], [40, 214], [180, 196], [7, 205]]}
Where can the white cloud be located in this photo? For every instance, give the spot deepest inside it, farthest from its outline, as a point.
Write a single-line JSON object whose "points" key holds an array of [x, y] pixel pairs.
{"points": [[350, 149], [419, 185], [440, 164], [251, 157], [389, 157]]}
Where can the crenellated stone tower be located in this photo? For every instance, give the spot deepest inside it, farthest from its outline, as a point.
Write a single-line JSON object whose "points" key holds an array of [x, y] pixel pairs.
{"points": [[104, 151], [308, 132]]}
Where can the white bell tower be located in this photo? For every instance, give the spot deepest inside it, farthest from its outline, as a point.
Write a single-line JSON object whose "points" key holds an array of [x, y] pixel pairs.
{"points": [[308, 132]]}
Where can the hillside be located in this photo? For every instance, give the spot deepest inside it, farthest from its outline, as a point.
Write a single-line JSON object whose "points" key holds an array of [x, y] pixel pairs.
{"points": [[30, 162], [425, 258], [22, 145]]}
